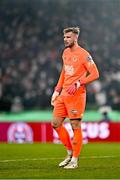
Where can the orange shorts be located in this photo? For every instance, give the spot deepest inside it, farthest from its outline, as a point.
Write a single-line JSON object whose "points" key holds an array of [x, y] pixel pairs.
{"points": [[71, 107]]}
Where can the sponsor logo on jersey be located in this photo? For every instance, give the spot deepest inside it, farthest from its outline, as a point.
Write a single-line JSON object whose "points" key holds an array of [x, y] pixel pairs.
{"points": [[69, 70]]}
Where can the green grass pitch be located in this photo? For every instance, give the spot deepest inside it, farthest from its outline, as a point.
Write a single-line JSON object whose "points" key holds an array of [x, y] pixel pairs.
{"points": [[40, 161]]}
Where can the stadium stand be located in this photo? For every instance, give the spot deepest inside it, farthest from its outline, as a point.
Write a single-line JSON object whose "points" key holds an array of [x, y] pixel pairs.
{"points": [[31, 45]]}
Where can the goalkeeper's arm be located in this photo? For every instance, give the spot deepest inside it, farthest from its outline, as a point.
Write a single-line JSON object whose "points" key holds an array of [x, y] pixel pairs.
{"points": [[58, 88], [93, 74]]}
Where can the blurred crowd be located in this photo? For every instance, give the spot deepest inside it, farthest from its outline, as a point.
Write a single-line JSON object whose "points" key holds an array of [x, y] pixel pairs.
{"points": [[31, 44]]}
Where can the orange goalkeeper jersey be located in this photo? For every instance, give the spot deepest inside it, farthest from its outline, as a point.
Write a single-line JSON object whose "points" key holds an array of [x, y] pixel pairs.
{"points": [[77, 65]]}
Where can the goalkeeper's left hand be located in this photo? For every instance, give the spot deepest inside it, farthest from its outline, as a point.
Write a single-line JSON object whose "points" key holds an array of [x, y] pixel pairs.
{"points": [[73, 88]]}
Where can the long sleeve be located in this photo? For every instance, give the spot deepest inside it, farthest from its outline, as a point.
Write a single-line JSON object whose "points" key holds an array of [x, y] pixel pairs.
{"points": [[93, 72], [60, 81]]}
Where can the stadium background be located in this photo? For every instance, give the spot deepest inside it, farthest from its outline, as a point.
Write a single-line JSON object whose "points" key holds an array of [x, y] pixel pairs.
{"points": [[31, 44]]}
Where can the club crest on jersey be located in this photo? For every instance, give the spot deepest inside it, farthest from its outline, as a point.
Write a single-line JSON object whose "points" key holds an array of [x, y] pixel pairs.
{"points": [[74, 58], [89, 58]]}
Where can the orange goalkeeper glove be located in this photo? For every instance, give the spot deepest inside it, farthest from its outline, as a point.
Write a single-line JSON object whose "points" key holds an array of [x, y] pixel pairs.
{"points": [[73, 88], [54, 96]]}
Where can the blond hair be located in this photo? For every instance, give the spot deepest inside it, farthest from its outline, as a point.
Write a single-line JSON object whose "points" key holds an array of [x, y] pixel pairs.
{"points": [[75, 30]]}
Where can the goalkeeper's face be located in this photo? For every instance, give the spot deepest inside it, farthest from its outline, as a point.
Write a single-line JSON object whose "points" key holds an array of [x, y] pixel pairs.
{"points": [[69, 39]]}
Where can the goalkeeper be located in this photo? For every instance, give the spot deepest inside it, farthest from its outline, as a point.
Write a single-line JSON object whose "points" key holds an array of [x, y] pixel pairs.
{"points": [[69, 97]]}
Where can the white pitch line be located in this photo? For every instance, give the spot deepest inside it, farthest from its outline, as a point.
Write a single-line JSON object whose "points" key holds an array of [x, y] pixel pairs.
{"points": [[43, 159]]}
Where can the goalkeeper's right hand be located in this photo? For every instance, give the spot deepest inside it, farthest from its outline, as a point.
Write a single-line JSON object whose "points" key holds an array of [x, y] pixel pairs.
{"points": [[54, 96]]}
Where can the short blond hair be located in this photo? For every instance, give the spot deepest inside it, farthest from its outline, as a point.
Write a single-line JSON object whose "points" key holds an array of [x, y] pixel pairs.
{"points": [[75, 30]]}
